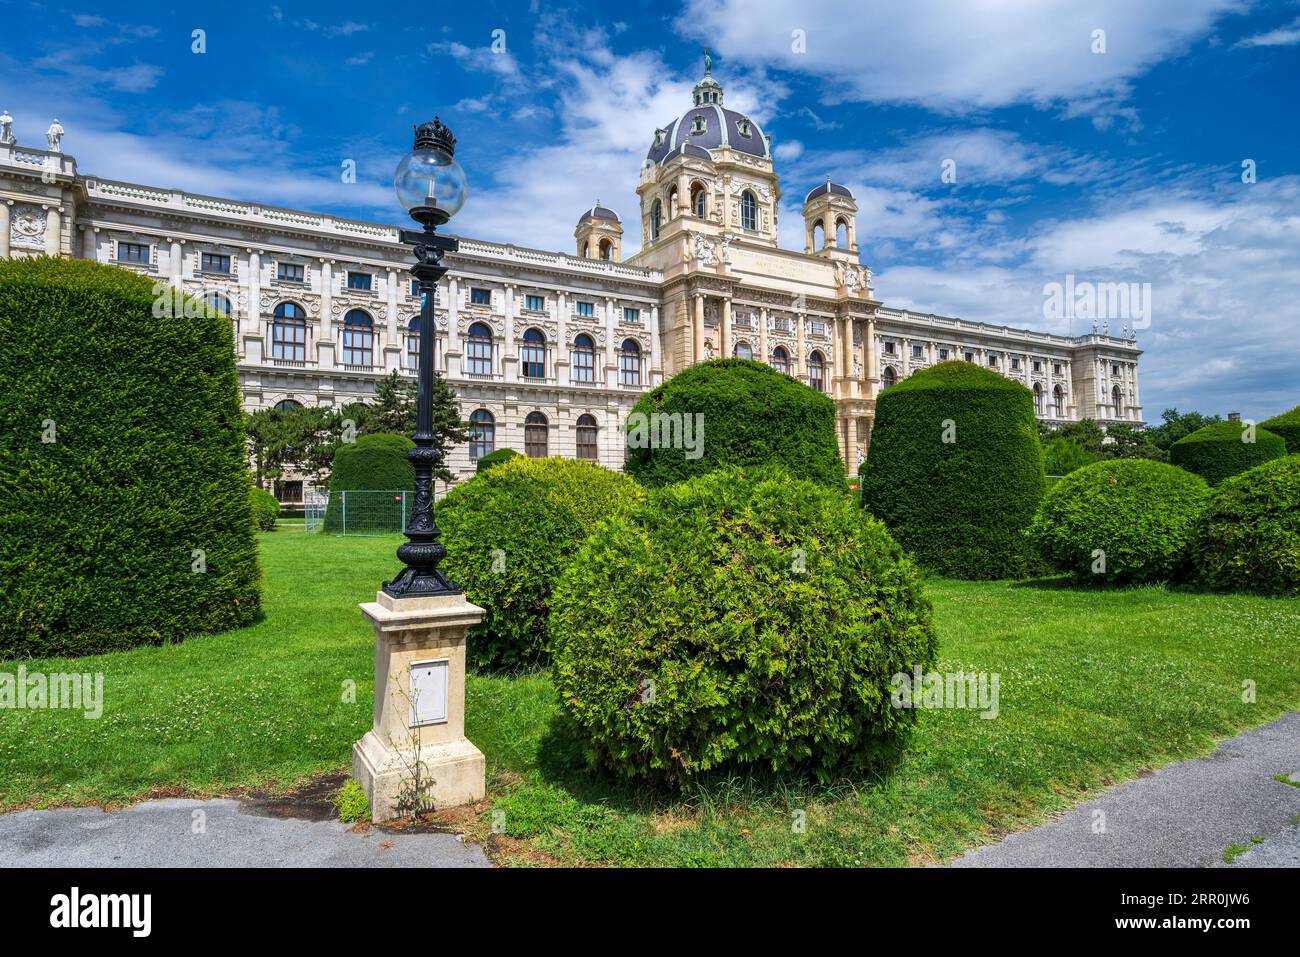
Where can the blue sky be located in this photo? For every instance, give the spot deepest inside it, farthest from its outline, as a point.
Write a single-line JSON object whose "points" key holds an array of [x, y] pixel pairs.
{"points": [[1123, 165]]}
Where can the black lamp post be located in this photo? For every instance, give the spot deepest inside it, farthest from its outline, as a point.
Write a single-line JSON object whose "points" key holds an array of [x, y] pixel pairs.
{"points": [[431, 186]]}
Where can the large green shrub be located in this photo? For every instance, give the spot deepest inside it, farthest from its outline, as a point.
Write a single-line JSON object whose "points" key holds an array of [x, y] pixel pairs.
{"points": [[486, 462], [374, 472], [509, 533], [1286, 425], [1249, 535], [1120, 521], [1061, 456], [736, 412], [1225, 448], [266, 508], [124, 506], [739, 619], [955, 470]]}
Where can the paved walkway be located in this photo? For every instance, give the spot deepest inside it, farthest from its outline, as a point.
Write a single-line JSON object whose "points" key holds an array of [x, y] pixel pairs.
{"points": [[221, 833], [1184, 815]]}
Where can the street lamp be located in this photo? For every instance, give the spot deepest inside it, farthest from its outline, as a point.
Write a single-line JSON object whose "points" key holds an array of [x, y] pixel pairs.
{"points": [[431, 185]]}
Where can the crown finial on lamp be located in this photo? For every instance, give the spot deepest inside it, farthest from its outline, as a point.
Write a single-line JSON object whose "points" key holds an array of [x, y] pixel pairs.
{"points": [[435, 136]]}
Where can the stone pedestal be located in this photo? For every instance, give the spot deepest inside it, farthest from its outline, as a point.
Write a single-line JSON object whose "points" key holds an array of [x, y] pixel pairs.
{"points": [[410, 755]]}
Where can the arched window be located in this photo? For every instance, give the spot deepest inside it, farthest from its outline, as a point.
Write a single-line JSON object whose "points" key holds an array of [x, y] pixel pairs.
{"points": [[629, 362], [842, 233], [748, 211], [358, 339], [888, 377], [217, 302], [482, 434], [1058, 402], [535, 435], [287, 405], [584, 358], [817, 371], [743, 350], [587, 438], [532, 357], [289, 333], [656, 219], [781, 360], [1118, 401], [478, 349], [1038, 399], [672, 203], [699, 200], [606, 249]]}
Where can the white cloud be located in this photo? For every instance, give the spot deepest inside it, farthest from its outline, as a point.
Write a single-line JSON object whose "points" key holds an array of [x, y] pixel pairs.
{"points": [[957, 55], [1281, 37]]}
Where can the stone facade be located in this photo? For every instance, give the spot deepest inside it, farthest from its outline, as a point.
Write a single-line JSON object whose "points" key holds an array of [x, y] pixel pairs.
{"points": [[551, 349]]}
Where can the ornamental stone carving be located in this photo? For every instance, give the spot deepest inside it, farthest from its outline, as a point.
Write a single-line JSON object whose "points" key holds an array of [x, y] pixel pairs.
{"points": [[27, 227]]}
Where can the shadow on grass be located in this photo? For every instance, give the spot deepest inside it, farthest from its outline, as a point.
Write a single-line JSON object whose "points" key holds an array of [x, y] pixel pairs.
{"points": [[563, 762]]}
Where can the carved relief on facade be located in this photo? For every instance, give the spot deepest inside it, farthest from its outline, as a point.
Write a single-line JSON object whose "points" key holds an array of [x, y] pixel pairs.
{"points": [[27, 226]]}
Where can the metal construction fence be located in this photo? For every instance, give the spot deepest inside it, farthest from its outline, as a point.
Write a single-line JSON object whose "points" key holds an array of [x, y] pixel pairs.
{"points": [[358, 512]]}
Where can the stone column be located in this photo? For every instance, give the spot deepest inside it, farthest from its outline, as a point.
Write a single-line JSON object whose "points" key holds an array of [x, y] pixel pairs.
{"points": [[869, 372], [176, 264], [611, 346], [4, 227], [53, 231], [800, 362], [656, 367], [828, 228], [562, 372], [510, 358], [416, 750], [453, 327], [851, 453], [394, 330], [762, 335], [697, 350], [89, 243], [251, 322], [726, 327], [326, 301]]}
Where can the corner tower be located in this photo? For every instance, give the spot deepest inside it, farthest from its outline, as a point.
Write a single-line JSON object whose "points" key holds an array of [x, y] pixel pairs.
{"points": [[600, 234]]}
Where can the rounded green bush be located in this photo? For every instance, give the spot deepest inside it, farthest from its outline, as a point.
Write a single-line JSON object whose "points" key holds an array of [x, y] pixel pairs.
{"points": [[1286, 425], [126, 516], [1219, 450], [509, 533], [495, 458], [736, 412], [266, 508], [1249, 534], [739, 619], [1120, 521], [955, 470], [374, 471]]}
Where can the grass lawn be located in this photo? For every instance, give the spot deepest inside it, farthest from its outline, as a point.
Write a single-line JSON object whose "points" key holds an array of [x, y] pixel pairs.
{"points": [[1095, 687]]}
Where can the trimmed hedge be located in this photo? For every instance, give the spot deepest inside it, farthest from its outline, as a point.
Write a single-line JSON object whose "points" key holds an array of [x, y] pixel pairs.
{"points": [[740, 619], [1249, 535], [1140, 514], [1286, 425], [1217, 451], [955, 470], [266, 508], [495, 458], [126, 517], [373, 463], [752, 415], [509, 533]]}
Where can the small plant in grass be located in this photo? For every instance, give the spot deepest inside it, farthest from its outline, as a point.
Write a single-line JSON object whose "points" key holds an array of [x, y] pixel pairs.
{"points": [[1121, 521], [739, 619], [1249, 535], [1222, 449], [351, 802]]}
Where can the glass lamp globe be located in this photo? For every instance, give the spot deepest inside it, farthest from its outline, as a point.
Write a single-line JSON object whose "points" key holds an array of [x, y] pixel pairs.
{"points": [[431, 179]]}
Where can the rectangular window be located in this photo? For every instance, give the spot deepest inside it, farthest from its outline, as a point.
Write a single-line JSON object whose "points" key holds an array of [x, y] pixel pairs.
{"points": [[943, 353], [480, 297], [214, 262], [1015, 363], [1056, 368], [289, 272], [1114, 369], [631, 315], [1038, 366], [918, 352], [137, 253], [359, 280], [584, 309], [993, 362], [535, 303], [969, 356], [889, 348]]}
